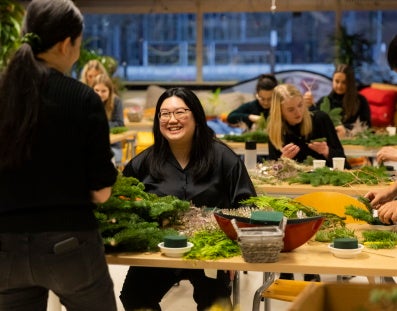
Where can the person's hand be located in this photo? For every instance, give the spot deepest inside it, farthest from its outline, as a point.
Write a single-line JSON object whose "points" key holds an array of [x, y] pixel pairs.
{"points": [[379, 197], [320, 147], [308, 99], [340, 131], [386, 154], [387, 213], [254, 118], [290, 151]]}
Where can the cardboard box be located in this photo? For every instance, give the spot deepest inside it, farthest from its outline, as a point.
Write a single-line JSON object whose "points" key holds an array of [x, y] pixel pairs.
{"points": [[339, 297]]}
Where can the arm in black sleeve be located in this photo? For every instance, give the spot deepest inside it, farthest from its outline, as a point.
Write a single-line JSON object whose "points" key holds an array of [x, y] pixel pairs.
{"points": [[241, 114], [364, 112], [241, 186], [117, 114], [323, 127], [101, 170], [274, 154]]}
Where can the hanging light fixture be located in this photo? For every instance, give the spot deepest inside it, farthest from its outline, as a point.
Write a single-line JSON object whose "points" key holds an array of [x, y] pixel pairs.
{"points": [[273, 6]]}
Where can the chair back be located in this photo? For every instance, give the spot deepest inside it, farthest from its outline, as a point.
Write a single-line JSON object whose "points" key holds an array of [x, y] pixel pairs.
{"points": [[331, 202]]}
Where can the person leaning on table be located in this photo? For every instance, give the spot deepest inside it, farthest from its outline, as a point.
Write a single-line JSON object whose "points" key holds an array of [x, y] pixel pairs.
{"points": [[55, 164], [250, 112], [344, 95], [189, 162], [104, 87], [292, 129]]}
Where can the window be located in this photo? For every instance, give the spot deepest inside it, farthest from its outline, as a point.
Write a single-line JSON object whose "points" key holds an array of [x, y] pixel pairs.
{"points": [[235, 46]]}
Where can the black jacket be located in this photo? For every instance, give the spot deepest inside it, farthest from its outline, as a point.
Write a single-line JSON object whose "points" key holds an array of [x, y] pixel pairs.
{"points": [[322, 128], [363, 112], [228, 184], [241, 113]]}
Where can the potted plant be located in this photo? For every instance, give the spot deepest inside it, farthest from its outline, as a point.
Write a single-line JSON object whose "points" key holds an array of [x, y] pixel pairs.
{"points": [[351, 49], [11, 16]]}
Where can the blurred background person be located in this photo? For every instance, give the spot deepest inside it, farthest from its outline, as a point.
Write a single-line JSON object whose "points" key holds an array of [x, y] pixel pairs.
{"points": [[345, 95], [90, 70], [250, 112], [293, 129], [103, 86]]}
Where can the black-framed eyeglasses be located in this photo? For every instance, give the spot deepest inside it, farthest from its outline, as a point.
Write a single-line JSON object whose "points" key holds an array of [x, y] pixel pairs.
{"points": [[179, 114]]}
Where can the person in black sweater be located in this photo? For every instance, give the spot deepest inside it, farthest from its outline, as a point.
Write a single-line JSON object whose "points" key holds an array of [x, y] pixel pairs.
{"points": [[293, 129], [55, 164], [250, 112], [344, 95], [189, 162]]}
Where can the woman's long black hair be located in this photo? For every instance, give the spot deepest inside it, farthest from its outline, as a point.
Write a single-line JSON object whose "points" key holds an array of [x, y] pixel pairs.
{"points": [[351, 101], [46, 23], [202, 152]]}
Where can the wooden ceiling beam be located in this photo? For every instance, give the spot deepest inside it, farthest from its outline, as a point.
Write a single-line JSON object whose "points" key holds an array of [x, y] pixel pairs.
{"points": [[217, 6]]}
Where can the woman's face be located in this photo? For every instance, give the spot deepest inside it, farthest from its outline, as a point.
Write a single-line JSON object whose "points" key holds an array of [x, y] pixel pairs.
{"points": [[339, 83], [293, 109], [102, 90], [264, 98], [179, 130], [90, 75]]}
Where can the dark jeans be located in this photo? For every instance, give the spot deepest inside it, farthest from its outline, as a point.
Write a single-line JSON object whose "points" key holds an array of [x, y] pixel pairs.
{"points": [[144, 287], [77, 273]]}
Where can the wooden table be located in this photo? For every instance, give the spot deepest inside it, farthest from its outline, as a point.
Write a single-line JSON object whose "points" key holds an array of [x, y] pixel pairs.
{"points": [[145, 125], [293, 190], [311, 258], [128, 135]]}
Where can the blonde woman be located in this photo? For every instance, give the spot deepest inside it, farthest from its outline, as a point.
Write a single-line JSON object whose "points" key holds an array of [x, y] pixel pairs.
{"points": [[90, 70], [103, 86], [296, 133]]}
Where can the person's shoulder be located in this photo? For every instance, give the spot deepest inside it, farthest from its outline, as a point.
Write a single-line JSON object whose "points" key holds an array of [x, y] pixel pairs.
{"points": [[70, 85], [224, 149], [138, 160], [117, 101], [362, 98], [142, 156], [320, 115]]}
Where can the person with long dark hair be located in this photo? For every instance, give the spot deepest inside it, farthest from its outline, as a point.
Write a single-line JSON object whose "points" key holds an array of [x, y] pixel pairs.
{"points": [[55, 164], [189, 162], [344, 95]]}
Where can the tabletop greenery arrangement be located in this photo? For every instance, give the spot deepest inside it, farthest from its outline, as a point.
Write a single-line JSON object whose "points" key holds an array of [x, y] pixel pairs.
{"points": [[368, 138], [133, 220], [292, 172]]}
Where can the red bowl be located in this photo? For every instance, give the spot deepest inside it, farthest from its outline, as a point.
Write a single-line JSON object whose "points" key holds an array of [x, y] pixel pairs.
{"points": [[297, 230]]}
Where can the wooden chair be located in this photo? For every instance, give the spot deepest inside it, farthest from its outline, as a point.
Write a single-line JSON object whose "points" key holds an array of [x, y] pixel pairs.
{"points": [[288, 290]]}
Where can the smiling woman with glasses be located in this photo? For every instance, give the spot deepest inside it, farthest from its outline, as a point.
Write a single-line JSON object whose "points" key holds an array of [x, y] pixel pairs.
{"points": [[189, 162]]}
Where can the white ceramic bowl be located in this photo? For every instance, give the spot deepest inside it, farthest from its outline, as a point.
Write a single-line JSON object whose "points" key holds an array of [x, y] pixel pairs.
{"points": [[175, 251], [345, 253]]}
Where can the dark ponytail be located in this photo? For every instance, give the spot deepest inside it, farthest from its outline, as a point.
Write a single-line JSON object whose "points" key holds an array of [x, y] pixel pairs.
{"points": [[46, 23]]}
